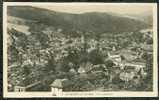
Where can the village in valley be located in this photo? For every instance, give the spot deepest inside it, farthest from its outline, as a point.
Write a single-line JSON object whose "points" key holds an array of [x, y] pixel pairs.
{"points": [[47, 58]]}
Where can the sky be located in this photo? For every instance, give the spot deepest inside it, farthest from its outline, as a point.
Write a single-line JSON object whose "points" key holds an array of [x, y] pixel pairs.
{"points": [[98, 7]]}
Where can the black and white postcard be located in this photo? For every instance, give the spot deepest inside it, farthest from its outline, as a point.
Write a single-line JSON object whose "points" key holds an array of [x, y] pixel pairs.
{"points": [[80, 50]]}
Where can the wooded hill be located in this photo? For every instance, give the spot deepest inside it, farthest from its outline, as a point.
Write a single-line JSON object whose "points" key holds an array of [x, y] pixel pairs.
{"points": [[85, 22]]}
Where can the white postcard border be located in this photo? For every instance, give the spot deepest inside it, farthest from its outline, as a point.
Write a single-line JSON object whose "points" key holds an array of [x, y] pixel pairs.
{"points": [[79, 94]]}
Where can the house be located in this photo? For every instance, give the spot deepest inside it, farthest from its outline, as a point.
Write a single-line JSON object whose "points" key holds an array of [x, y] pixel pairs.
{"points": [[85, 67], [126, 76], [57, 86], [147, 32], [114, 56], [100, 68], [132, 69], [20, 28], [81, 70], [73, 71], [19, 89], [23, 88], [128, 55], [91, 49], [113, 48], [134, 66], [28, 62], [146, 47]]}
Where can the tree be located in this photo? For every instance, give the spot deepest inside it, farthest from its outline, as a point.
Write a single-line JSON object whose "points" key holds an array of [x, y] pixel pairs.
{"points": [[95, 57], [109, 64], [26, 71]]}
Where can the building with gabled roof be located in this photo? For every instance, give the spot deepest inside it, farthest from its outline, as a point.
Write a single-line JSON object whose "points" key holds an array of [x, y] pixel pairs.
{"points": [[128, 55], [85, 67], [133, 66], [57, 86], [114, 56]]}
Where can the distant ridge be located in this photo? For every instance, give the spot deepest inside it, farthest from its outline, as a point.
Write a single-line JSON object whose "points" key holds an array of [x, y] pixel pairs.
{"points": [[92, 21]]}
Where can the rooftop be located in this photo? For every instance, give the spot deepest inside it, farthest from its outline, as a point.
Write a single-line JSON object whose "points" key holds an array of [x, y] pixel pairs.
{"points": [[58, 83]]}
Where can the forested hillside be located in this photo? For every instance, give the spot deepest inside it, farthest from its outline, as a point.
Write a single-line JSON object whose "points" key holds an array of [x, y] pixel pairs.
{"points": [[83, 22]]}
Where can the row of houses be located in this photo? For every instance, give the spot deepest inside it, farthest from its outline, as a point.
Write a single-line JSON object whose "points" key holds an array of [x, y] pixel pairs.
{"points": [[127, 60]]}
